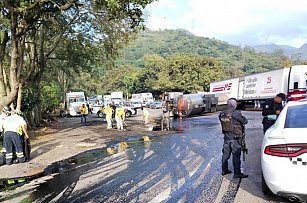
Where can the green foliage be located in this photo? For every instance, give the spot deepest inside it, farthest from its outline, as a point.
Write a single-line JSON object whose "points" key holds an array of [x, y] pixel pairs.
{"points": [[187, 73], [30, 99], [51, 96]]}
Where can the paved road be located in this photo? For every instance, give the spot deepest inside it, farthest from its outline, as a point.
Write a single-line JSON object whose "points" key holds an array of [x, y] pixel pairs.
{"points": [[181, 167]]}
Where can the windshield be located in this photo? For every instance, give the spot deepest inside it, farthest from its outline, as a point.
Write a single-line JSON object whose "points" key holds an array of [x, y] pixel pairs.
{"points": [[76, 99], [296, 117]]}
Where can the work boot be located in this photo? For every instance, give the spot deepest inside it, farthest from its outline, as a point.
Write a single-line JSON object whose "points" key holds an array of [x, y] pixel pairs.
{"points": [[240, 175], [226, 172], [8, 162]]}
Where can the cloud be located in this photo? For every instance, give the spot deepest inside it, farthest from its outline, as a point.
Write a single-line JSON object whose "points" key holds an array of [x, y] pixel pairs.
{"points": [[236, 21]]}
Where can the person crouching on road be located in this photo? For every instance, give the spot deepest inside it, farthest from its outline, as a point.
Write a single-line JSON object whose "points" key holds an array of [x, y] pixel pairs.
{"points": [[11, 127], [232, 122], [109, 112], [271, 110], [119, 117], [25, 140], [84, 112]]}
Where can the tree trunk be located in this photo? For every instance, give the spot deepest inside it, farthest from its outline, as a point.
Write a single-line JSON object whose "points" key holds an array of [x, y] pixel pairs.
{"points": [[19, 97], [13, 90], [3, 43]]}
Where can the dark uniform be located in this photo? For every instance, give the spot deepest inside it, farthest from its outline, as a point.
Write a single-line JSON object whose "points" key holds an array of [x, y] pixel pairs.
{"points": [[269, 108], [232, 122]]}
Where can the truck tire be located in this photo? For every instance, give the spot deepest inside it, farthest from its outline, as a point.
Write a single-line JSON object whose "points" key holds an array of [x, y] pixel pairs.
{"points": [[128, 114], [213, 109]]}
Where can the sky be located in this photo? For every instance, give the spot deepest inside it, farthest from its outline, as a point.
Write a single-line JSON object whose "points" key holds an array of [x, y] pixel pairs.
{"points": [[239, 22]]}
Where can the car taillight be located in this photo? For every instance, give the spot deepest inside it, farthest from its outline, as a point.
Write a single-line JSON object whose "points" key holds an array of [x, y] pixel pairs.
{"points": [[296, 95], [286, 150]]}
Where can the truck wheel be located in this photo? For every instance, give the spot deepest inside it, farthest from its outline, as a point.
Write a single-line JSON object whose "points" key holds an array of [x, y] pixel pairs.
{"points": [[265, 189], [128, 114], [100, 114], [213, 109]]}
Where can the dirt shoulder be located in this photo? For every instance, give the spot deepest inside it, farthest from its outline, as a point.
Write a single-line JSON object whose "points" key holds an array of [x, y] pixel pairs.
{"points": [[67, 137]]}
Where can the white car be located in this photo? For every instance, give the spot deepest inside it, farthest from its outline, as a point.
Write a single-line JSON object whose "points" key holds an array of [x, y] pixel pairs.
{"points": [[284, 154], [137, 105]]}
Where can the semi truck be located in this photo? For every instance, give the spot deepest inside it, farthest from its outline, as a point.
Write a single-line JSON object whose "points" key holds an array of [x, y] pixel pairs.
{"points": [[252, 90]]}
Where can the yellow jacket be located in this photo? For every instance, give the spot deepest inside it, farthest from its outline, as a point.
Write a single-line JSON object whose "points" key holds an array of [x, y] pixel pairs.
{"points": [[109, 111], [83, 110], [120, 112]]}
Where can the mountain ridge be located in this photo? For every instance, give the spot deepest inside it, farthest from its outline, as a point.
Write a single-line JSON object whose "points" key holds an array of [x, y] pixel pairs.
{"points": [[287, 50]]}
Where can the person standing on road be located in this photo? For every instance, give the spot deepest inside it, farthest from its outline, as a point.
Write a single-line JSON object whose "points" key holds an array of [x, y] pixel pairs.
{"points": [[232, 122], [119, 117], [145, 115], [109, 112], [84, 112], [12, 126], [271, 110]]}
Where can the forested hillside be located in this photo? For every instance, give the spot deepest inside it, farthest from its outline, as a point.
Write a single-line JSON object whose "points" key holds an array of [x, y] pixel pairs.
{"points": [[234, 59]]}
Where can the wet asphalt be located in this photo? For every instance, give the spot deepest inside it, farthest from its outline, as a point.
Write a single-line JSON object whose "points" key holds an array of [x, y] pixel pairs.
{"points": [[184, 166]]}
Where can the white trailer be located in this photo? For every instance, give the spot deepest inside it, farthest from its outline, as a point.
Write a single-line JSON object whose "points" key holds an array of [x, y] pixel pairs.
{"points": [[255, 88]]}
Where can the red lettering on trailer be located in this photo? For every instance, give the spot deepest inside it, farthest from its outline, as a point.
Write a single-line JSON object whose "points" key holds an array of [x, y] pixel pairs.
{"points": [[223, 87], [268, 80]]}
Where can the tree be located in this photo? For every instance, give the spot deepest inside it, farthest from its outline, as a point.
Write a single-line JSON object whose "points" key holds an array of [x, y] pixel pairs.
{"points": [[31, 31]]}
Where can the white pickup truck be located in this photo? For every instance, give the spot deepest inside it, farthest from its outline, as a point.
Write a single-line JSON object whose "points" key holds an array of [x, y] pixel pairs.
{"points": [[129, 111]]}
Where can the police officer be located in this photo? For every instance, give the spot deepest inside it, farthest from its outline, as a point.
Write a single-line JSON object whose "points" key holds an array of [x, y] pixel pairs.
{"points": [[232, 122], [11, 126], [271, 110]]}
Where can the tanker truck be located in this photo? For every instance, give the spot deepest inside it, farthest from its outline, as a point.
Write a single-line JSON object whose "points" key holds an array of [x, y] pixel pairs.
{"points": [[194, 104]]}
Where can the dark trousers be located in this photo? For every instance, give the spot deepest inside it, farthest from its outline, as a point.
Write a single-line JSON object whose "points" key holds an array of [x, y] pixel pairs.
{"points": [[83, 117], [267, 124], [232, 147], [12, 140]]}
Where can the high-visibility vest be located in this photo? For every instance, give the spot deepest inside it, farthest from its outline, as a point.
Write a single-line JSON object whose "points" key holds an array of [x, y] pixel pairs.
{"points": [[83, 110]]}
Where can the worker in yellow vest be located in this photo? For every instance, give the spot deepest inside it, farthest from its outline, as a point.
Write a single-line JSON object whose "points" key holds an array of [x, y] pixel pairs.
{"points": [[109, 112], [119, 117], [83, 112]]}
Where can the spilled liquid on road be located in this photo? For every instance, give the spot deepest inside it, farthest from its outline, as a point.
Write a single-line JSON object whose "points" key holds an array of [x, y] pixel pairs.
{"points": [[165, 167]]}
